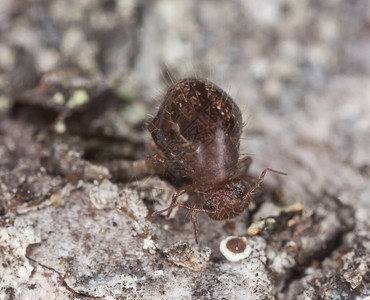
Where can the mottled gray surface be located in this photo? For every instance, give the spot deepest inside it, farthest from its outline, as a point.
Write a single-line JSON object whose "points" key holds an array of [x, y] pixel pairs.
{"points": [[76, 82]]}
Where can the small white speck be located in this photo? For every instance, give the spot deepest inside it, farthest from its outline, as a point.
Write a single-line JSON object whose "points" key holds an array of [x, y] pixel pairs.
{"points": [[148, 244], [59, 98], [60, 127]]}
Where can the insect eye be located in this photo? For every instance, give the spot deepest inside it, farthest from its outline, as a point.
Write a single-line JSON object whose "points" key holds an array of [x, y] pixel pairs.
{"points": [[210, 204], [238, 192]]}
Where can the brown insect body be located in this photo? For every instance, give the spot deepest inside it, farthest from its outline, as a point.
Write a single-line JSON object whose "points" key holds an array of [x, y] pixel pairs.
{"points": [[197, 131], [197, 128], [226, 200]]}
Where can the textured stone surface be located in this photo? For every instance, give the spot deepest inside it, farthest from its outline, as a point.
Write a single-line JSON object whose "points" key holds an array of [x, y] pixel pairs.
{"points": [[76, 84]]}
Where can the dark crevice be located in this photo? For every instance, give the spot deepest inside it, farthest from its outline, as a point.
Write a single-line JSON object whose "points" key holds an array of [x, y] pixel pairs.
{"points": [[332, 245], [299, 271]]}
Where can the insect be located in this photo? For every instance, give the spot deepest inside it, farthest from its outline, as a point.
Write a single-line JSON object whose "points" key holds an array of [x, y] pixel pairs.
{"points": [[197, 132]]}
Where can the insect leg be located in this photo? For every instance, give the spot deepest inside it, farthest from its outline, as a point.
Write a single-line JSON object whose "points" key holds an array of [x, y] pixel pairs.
{"points": [[194, 220], [244, 163], [258, 183], [175, 195]]}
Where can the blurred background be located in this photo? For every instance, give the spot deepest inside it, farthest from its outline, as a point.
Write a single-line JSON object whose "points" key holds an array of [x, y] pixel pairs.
{"points": [[299, 71]]}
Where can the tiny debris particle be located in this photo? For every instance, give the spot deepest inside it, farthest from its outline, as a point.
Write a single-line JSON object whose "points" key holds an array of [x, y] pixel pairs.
{"points": [[256, 227], [297, 207], [63, 261], [235, 248], [60, 127], [58, 98], [56, 199], [291, 223], [4, 103], [270, 221], [355, 276], [79, 98], [148, 244]]}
